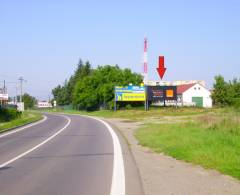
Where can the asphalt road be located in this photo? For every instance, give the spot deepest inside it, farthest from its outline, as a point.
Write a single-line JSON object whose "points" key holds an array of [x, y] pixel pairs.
{"points": [[67, 155]]}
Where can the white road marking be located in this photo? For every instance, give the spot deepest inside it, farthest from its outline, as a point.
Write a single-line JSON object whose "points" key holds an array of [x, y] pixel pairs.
{"points": [[118, 177], [37, 146], [24, 127]]}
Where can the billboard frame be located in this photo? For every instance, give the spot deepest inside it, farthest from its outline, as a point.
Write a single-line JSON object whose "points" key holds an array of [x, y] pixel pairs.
{"points": [[121, 93], [163, 93]]}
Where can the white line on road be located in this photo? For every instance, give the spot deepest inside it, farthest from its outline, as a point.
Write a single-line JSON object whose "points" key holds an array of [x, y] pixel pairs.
{"points": [[118, 177], [24, 127], [37, 146]]}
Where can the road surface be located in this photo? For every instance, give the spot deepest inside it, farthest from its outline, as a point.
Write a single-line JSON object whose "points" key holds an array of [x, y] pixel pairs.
{"points": [[67, 155]]}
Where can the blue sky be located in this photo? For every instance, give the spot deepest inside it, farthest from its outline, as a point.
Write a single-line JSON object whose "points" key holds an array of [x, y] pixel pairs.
{"points": [[43, 40]]}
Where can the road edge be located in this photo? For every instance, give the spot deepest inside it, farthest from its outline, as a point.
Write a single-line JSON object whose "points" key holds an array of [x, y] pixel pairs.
{"points": [[128, 145], [22, 127], [118, 177]]}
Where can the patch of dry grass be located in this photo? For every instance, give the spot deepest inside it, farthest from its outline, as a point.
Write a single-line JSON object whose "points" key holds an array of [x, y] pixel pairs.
{"points": [[228, 122]]}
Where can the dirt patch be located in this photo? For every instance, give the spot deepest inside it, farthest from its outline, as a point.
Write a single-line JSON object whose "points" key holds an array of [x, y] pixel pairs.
{"points": [[165, 175]]}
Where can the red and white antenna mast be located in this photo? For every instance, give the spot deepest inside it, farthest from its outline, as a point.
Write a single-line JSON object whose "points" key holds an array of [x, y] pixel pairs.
{"points": [[145, 64]]}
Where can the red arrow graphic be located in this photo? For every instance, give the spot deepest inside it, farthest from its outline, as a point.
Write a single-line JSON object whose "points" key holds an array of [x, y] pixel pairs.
{"points": [[161, 69]]}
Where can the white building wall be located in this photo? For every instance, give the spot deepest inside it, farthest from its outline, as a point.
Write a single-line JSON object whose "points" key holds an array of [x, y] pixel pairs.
{"points": [[197, 91], [44, 105]]}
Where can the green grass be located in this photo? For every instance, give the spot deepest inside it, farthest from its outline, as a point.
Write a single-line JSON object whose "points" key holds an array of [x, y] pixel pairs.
{"points": [[139, 114], [26, 117], [212, 140]]}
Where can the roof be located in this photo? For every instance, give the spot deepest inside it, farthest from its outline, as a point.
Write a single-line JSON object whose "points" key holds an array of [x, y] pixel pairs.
{"points": [[182, 88]]}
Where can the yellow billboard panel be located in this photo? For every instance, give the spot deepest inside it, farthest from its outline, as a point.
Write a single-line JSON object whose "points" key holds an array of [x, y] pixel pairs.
{"points": [[133, 97]]}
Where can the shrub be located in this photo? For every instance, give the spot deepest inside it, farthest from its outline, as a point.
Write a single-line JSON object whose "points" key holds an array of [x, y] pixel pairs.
{"points": [[236, 102], [7, 114], [128, 106]]}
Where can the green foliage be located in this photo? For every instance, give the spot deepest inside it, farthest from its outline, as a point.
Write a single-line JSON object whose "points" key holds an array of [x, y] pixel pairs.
{"points": [[26, 117], [85, 95], [128, 106], [97, 89], [226, 93], [91, 89], [7, 114], [64, 94], [29, 101]]}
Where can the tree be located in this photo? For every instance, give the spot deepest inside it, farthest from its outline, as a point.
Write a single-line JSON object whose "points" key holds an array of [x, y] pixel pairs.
{"points": [[85, 95], [29, 101], [64, 94], [226, 93], [90, 88], [97, 89], [59, 94], [220, 91]]}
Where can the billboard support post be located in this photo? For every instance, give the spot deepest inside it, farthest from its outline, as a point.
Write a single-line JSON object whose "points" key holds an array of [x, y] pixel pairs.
{"points": [[115, 105], [145, 103], [115, 101]]}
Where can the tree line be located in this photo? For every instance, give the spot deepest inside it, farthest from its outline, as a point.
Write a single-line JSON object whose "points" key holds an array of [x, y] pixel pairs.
{"points": [[91, 89], [226, 93]]}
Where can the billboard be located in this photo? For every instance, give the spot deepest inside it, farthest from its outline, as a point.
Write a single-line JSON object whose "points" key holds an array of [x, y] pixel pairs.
{"points": [[161, 93], [130, 93], [155, 93]]}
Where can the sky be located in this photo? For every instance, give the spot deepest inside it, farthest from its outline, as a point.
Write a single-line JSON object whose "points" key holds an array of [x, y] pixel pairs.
{"points": [[44, 40]]}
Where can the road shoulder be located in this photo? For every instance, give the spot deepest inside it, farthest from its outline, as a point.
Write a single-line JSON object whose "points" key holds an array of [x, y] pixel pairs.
{"points": [[133, 179], [166, 175]]}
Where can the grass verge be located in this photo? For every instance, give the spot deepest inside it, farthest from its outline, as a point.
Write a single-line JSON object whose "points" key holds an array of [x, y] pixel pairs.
{"points": [[26, 118], [137, 114], [211, 140]]}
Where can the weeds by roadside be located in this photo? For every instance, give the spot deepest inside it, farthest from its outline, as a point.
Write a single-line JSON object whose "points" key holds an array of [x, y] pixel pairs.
{"points": [[211, 140], [25, 118]]}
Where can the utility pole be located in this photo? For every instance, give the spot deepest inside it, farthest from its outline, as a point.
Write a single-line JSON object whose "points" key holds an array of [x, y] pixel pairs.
{"points": [[4, 87], [16, 98], [21, 83]]}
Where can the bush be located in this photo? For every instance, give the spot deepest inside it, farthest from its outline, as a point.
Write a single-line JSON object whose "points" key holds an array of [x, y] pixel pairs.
{"points": [[7, 114], [128, 106], [236, 102]]}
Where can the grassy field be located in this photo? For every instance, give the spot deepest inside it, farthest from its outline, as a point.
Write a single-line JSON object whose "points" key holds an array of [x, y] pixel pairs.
{"points": [[139, 114], [211, 140], [26, 117]]}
